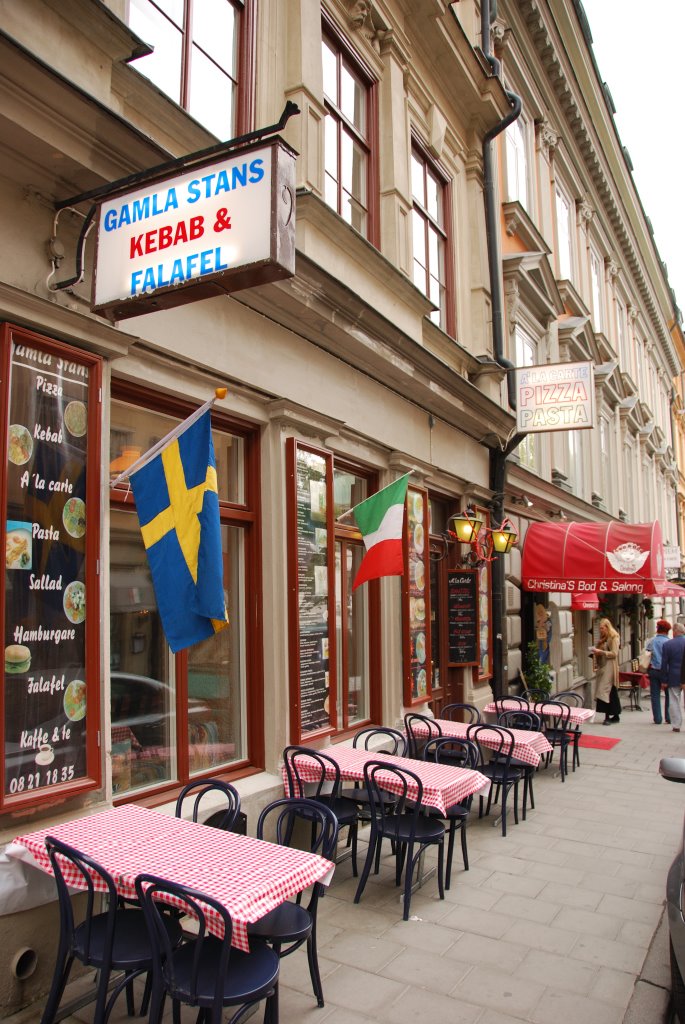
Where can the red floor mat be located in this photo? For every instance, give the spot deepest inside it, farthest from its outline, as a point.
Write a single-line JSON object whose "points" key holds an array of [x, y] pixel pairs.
{"points": [[598, 742]]}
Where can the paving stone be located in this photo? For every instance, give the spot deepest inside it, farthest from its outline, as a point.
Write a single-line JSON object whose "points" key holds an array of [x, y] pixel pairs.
{"points": [[557, 1007], [505, 993], [557, 972], [425, 970], [601, 951]]}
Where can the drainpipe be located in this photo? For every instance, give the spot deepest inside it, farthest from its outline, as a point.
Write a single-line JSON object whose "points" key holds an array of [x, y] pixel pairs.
{"points": [[498, 455]]}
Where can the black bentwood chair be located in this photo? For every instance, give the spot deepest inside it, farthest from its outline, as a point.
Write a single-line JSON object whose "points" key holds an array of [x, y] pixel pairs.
{"points": [[454, 713], [464, 753], [403, 823], [416, 737], [206, 971], [377, 738], [531, 722], [287, 927], [114, 940], [559, 732], [574, 700], [499, 770], [224, 817], [346, 811]]}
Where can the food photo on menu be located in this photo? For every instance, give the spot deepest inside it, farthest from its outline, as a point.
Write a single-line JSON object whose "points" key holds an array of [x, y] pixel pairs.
{"points": [[45, 608]]}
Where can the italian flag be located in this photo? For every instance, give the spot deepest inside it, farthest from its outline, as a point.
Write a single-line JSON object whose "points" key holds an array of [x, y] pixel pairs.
{"points": [[381, 521]]}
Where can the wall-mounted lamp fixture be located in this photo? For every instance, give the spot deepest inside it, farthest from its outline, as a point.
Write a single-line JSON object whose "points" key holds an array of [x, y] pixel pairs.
{"points": [[466, 528], [523, 500], [558, 514]]}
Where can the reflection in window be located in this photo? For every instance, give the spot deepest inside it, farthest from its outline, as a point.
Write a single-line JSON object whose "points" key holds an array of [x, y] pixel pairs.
{"points": [[352, 636], [195, 56], [346, 138]]}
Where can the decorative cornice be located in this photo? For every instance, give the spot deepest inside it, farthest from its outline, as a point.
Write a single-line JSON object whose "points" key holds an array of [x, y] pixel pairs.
{"points": [[611, 267], [547, 137], [584, 212]]}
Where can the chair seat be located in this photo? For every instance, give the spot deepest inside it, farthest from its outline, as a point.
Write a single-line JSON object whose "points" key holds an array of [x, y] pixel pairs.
{"points": [[251, 977], [456, 811], [131, 950], [427, 829], [358, 795], [497, 772], [344, 810], [287, 923]]}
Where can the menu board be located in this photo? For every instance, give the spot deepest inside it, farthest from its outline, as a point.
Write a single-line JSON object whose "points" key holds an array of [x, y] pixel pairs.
{"points": [[419, 632], [45, 680], [312, 584], [462, 614]]}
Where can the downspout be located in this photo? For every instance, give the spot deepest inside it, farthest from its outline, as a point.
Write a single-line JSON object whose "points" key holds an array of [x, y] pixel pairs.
{"points": [[499, 454]]}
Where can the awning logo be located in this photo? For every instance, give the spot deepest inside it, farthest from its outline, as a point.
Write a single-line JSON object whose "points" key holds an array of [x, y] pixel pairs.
{"points": [[627, 558]]}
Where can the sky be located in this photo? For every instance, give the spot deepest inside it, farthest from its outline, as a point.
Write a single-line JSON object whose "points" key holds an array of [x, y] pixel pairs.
{"points": [[637, 47]]}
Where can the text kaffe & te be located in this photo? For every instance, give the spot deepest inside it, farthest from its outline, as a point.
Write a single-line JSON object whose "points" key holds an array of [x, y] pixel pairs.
{"points": [[195, 264]]}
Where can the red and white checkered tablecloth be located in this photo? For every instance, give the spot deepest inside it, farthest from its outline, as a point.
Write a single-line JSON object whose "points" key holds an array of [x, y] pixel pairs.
{"points": [[248, 876], [577, 716], [528, 746], [443, 785]]}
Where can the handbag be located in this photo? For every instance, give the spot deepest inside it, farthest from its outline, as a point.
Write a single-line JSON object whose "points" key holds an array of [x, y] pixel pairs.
{"points": [[644, 661]]}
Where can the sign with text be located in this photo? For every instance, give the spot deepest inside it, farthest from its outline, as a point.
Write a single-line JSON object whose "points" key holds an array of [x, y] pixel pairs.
{"points": [[218, 228], [671, 556], [560, 396], [462, 617]]}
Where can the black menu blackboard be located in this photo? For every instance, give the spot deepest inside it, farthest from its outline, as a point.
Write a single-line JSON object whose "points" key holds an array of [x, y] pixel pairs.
{"points": [[45, 558], [462, 610]]}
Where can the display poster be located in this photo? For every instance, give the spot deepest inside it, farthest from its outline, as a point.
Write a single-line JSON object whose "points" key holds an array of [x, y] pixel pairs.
{"points": [[418, 581], [45, 563], [462, 617], [485, 668], [312, 585]]}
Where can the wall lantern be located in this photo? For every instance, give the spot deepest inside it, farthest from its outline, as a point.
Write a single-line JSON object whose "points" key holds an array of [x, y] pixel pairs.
{"points": [[466, 529], [466, 526], [504, 537]]}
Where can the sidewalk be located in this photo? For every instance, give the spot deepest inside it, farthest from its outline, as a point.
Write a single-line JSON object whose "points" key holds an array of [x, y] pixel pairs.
{"points": [[551, 925]]}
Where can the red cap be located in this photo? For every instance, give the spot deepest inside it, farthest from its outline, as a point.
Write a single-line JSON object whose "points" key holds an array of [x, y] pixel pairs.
{"points": [[663, 626]]}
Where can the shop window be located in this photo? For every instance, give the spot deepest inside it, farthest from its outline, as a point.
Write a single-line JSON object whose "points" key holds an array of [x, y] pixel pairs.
{"points": [[202, 57], [334, 666], [50, 599], [349, 134], [430, 237], [175, 717]]}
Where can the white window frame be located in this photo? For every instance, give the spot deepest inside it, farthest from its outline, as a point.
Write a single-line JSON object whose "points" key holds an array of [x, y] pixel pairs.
{"points": [[564, 231], [517, 163]]}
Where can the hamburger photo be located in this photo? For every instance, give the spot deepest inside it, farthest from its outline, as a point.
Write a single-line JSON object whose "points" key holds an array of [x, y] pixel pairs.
{"points": [[17, 658]]}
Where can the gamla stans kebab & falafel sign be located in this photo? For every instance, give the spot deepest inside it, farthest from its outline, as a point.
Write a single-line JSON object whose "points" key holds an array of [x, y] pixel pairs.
{"points": [[556, 396], [217, 228]]}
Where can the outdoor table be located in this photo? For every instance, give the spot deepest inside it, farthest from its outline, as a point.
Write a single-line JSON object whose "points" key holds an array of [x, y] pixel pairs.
{"points": [[632, 682], [443, 785], [249, 877], [529, 746], [577, 716]]}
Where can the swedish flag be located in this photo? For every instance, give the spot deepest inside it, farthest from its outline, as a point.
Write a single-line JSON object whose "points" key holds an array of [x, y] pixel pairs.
{"points": [[178, 509]]}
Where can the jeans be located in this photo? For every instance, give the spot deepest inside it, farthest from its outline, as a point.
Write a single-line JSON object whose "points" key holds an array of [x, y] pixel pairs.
{"points": [[655, 694], [674, 706]]}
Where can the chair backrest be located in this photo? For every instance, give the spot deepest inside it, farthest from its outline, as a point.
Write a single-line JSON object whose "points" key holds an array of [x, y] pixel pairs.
{"points": [[280, 817], [224, 818], [301, 762], [519, 719], [461, 713], [393, 780], [535, 696], [73, 868], [393, 741], [449, 750], [570, 697], [156, 895], [499, 742], [557, 714], [417, 737], [503, 704]]}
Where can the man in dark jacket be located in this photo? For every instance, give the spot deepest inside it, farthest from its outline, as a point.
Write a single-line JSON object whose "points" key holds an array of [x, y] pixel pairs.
{"points": [[672, 657]]}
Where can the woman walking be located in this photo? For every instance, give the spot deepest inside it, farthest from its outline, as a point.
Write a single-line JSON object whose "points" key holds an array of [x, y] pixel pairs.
{"points": [[606, 673]]}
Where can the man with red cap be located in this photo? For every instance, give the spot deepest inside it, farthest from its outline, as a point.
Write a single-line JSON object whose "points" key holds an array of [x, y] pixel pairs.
{"points": [[655, 645]]}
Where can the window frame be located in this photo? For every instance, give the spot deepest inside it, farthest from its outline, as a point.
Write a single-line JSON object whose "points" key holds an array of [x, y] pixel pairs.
{"points": [[561, 194], [597, 290], [243, 114], [448, 314], [513, 155], [331, 34], [246, 515]]}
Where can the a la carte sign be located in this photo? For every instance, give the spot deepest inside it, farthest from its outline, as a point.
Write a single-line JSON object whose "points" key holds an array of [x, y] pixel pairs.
{"points": [[557, 396], [227, 225]]}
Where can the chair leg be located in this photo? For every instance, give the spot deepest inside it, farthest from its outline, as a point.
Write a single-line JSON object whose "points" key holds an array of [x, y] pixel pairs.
{"points": [[313, 959], [375, 838], [353, 830], [59, 980], [464, 850], [271, 1010], [441, 869], [407, 879], [450, 851]]}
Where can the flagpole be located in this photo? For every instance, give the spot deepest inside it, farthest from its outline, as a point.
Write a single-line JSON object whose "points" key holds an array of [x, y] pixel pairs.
{"points": [[172, 435]]}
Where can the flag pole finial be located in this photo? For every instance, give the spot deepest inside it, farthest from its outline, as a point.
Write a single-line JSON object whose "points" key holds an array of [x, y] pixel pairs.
{"points": [[220, 392]]}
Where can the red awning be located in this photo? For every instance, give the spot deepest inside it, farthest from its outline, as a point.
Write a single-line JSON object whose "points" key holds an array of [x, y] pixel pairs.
{"points": [[664, 588], [584, 602], [594, 558]]}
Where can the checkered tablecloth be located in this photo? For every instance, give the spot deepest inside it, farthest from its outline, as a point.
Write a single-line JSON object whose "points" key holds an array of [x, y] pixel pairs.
{"points": [[577, 716], [247, 876], [443, 785], [528, 746]]}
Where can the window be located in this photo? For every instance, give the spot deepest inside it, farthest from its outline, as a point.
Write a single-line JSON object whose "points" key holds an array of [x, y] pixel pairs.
{"points": [[348, 95], [575, 461], [622, 334], [517, 162], [429, 234], [201, 57], [564, 235], [526, 355], [175, 717], [597, 291]]}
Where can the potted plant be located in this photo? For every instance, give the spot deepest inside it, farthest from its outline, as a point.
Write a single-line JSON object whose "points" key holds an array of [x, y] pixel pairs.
{"points": [[538, 673]]}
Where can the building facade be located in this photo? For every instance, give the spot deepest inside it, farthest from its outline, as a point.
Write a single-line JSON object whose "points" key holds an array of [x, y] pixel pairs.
{"points": [[375, 359]]}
